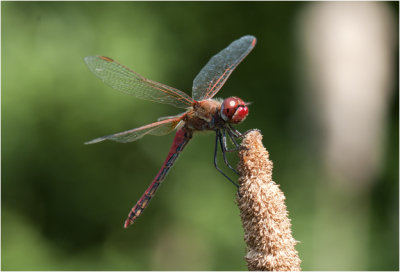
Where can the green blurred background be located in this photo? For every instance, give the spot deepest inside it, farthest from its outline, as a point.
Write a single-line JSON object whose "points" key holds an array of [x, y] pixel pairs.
{"points": [[64, 203]]}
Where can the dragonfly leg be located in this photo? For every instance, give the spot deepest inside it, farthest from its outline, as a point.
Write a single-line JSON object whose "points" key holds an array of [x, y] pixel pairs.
{"points": [[224, 148], [233, 139], [234, 132], [217, 139]]}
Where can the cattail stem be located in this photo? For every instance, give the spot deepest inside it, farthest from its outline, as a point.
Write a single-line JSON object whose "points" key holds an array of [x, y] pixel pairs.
{"points": [[267, 228]]}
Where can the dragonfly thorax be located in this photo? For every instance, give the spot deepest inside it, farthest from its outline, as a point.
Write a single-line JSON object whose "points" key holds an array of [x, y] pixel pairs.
{"points": [[205, 115]]}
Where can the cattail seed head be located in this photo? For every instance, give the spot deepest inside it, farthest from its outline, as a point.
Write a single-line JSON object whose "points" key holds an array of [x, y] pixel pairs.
{"points": [[267, 227]]}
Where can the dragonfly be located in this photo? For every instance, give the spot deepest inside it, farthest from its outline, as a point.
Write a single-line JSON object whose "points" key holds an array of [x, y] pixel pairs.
{"points": [[202, 111]]}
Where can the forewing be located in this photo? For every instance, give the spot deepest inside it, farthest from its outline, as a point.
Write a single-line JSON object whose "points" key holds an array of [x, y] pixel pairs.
{"points": [[158, 128], [213, 76], [127, 81]]}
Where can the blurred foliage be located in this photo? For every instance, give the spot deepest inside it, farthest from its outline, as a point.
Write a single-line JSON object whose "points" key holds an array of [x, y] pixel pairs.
{"points": [[64, 203]]}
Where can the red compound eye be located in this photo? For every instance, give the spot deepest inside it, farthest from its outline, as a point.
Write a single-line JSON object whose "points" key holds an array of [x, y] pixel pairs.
{"points": [[234, 110]]}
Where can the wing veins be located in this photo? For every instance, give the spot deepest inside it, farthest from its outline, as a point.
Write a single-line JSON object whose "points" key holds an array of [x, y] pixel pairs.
{"points": [[215, 73], [214, 89], [128, 81], [165, 126]]}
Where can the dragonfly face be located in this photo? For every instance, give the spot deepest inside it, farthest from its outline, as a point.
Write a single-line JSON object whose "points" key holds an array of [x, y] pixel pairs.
{"points": [[234, 110], [203, 112]]}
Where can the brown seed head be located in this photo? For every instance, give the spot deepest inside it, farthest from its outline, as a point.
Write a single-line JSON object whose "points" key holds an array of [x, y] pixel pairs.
{"points": [[267, 228]]}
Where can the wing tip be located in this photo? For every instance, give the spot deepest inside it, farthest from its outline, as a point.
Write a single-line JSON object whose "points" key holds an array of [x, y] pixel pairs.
{"points": [[253, 43], [106, 58], [251, 38], [94, 141], [88, 59]]}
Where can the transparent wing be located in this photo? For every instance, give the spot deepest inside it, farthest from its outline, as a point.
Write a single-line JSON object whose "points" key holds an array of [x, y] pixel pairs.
{"points": [[171, 117], [213, 76], [158, 128], [127, 81]]}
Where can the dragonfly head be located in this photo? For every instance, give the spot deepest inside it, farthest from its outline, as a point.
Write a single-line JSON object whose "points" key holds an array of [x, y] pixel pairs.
{"points": [[234, 110]]}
